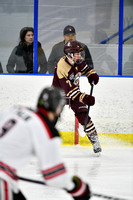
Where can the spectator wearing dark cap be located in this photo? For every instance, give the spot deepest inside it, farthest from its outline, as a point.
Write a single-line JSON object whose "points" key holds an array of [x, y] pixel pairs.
{"points": [[69, 34], [21, 58]]}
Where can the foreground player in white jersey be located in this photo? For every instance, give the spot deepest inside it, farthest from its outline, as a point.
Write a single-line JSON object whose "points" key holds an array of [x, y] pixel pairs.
{"points": [[23, 133]]}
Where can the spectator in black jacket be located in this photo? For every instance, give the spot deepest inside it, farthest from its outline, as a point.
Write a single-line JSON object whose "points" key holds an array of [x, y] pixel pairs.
{"points": [[1, 70], [57, 52], [21, 58]]}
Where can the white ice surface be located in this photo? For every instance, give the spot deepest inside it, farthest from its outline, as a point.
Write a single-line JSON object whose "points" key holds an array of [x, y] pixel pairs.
{"points": [[110, 174]]}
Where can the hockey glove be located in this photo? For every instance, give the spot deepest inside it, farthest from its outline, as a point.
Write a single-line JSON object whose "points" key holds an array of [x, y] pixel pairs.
{"points": [[87, 99], [81, 190], [93, 78]]}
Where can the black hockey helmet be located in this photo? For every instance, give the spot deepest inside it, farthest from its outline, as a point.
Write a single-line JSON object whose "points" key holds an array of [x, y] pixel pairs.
{"points": [[52, 99], [72, 47]]}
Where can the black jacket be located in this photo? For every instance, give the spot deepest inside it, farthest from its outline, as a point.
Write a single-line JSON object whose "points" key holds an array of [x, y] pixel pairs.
{"points": [[1, 70], [21, 59]]}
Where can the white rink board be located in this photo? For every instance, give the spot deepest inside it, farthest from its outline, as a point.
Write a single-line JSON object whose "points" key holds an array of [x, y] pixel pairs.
{"points": [[112, 112]]}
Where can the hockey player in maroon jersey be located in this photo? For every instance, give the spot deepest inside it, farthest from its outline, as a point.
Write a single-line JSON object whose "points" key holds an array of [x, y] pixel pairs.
{"points": [[66, 76], [23, 133]]}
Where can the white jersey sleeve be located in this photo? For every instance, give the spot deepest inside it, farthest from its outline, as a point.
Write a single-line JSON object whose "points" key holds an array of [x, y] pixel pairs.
{"points": [[24, 133], [49, 153]]}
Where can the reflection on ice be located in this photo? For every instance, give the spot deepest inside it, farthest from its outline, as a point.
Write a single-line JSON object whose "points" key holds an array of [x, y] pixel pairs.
{"points": [[110, 174]]}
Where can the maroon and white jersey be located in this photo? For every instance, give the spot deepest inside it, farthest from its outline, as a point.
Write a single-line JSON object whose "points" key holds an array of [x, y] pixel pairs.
{"points": [[67, 77], [24, 133]]}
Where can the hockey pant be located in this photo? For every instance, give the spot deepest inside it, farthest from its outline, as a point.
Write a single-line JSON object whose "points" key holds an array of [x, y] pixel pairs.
{"points": [[80, 111], [7, 194]]}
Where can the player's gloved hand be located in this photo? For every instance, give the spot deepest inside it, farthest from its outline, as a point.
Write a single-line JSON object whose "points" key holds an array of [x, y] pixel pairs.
{"points": [[93, 78], [81, 190], [89, 100]]}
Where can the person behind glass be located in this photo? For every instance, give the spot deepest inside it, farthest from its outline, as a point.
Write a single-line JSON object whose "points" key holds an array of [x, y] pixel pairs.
{"points": [[57, 52], [1, 70], [21, 58], [128, 66]]}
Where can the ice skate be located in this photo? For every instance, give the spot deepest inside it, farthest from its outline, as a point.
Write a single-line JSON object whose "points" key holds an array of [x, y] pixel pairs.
{"points": [[96, 147], [95, 142]]}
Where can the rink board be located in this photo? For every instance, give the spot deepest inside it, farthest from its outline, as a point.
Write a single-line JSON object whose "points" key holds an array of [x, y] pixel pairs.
{"points": [[106, 139], [112, 113]]}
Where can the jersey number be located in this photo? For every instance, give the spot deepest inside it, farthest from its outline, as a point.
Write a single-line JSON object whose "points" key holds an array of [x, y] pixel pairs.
{"points": [[7, 126]]}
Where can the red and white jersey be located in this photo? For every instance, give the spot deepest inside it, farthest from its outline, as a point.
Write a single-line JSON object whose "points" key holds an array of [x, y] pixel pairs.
{"points": [[24, 133]]}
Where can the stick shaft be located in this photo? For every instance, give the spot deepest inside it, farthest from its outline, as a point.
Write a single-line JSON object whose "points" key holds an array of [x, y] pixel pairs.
{"points": [[93, 194], [31, 181], [86, 120]]}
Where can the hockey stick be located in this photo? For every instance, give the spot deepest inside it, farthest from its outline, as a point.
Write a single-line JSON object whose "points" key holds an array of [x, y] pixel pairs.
{"points": [[86, 120], [93, 194], [31, 180], [107, 197]]}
